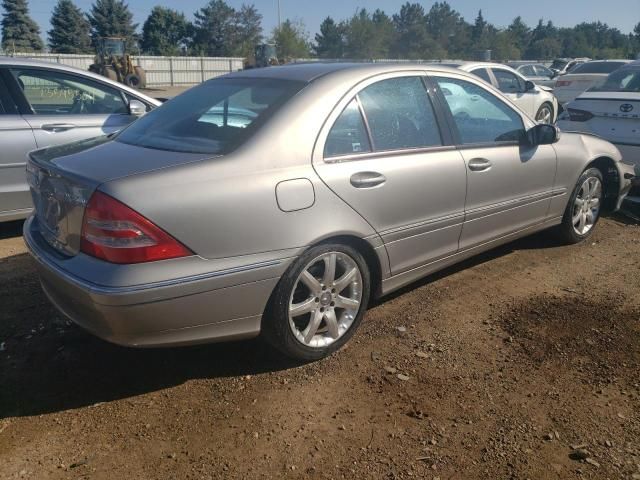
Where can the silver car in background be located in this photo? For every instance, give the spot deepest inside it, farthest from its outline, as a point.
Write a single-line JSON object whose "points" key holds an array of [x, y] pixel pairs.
{"points": [[44, 104], [346, 182], [536, 73]]}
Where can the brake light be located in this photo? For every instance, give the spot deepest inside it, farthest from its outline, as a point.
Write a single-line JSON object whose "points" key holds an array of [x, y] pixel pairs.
{"points": [[576, 115], [563, 83], [114, 232]]}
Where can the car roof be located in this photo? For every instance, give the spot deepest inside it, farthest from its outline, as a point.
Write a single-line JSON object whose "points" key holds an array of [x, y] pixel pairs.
{"points": [[308, 72], [27, 62]]}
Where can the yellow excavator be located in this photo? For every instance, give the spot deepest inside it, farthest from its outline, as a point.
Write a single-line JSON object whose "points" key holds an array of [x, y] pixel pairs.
{"points": [[264, 55], [114, 62]]}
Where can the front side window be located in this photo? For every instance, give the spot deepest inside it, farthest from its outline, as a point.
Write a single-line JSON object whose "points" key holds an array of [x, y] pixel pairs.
{"points": [[56, 93], [400, 114], [508, 82], [543, 71], [528, 71], [213, 118], [348, 135], [483, 73], [480, 116]]}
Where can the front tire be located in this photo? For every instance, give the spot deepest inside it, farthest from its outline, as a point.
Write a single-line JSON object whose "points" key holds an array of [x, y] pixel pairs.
{"points": [[584, 207], [318, 303], [545, 113]]}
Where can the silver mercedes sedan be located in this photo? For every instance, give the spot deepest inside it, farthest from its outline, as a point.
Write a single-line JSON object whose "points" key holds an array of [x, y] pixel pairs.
{"points": [[279, 201]]}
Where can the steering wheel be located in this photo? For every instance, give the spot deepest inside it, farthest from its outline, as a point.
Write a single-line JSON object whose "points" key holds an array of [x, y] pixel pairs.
{"points": [[80, 104]]}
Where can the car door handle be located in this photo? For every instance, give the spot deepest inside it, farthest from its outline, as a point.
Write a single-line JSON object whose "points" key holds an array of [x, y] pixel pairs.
{"points": [[58, 127], [367, 179], [479, 164]]}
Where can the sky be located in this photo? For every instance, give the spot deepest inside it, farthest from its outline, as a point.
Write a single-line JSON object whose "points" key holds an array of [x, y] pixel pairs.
{"points": [[622, 14]]}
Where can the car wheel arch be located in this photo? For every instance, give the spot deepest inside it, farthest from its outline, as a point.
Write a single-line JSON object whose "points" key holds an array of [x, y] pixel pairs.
{"points": [[607, 167]]}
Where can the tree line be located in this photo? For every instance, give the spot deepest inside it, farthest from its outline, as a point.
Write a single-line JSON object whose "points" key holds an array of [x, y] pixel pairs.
{"points": [[217, 29]]}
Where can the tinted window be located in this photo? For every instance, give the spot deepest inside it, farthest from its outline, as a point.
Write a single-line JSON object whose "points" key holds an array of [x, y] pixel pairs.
{"points": [[214, 117], [483, 73], [508, 82], [400, 114], [597, 67], [348, 135], [480, 117], [55, 93]]}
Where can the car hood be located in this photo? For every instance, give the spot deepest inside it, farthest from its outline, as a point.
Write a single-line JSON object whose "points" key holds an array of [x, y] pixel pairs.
{"points": [[102, 159]]}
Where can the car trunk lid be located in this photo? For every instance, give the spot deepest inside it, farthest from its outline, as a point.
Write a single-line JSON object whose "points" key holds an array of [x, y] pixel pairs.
{"points": [[63, 178], [616, 115]]}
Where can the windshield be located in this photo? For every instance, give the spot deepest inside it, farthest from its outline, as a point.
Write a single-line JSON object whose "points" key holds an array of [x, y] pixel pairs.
{"points": [[597, 67], [214, 117], [623, 80]]}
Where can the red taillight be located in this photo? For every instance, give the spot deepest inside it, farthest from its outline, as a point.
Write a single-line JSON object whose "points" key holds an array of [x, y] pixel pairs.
{"points": [[563, 83], [115, 233], [576, 115]]}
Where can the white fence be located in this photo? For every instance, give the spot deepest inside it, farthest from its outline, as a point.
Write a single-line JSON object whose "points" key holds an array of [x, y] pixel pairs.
{"points": [[160, 70]]}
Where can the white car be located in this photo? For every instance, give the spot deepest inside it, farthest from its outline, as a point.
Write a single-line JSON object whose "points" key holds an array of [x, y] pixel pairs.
{"points": [[585, 76], [536, 100], [562, 66], [611, 111]]}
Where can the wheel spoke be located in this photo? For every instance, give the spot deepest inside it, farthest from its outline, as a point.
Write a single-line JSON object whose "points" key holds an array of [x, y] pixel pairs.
{"points": [[312, 328], [583, 222], [345, 279], [595, 203], [310, 281], [348, 303], [332, 323], [329, 269], [576, 217], [297, 309]]}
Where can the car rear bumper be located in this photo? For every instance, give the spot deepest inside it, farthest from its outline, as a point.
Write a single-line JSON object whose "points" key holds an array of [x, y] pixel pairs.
{"points": [[229, 307]]}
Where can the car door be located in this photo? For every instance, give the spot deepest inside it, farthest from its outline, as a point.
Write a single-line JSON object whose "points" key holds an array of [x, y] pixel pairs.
{"points": [[514, 88], [509, 183], [61, 107], [16, 139], [383, 152]]}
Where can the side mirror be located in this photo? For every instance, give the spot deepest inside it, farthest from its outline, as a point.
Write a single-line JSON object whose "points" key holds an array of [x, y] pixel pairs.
{"points": [[543, 134], [529, 85], [137, 108]]}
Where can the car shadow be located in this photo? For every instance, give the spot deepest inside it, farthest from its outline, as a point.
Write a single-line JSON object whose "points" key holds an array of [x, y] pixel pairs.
{"points": [[48, 364]]}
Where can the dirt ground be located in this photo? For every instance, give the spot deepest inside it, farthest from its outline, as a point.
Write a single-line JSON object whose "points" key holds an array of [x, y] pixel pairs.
{"points": [[522, 363]]}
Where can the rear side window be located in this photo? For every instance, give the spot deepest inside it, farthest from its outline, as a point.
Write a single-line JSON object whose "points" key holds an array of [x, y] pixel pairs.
{"points": [[400, 114], [348, 135], [528, 71], [597, 67], [480, 116], [212, 118]]}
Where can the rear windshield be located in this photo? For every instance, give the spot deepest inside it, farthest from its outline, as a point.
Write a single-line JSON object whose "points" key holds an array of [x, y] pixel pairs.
{"points": [[623, 80], [598, 67], [559, 64], [214, 117]]}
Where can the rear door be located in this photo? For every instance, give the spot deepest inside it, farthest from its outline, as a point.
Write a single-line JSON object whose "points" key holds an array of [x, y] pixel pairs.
{"points": [[509, 184], [16, 139], [383, 152], [62, 107]]}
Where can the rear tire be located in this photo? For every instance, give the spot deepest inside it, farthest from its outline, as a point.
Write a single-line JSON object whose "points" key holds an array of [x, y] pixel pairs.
{"points": [[132, 81], [318, 303], [584, 207]]}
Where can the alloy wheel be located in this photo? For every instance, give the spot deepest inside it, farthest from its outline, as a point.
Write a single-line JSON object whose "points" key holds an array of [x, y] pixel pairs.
{"points": [[544, 115], [325, 300], [586, 206]]}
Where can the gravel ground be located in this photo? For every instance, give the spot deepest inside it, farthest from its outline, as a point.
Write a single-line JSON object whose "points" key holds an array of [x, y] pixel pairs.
{"points": [[522, 363]]}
